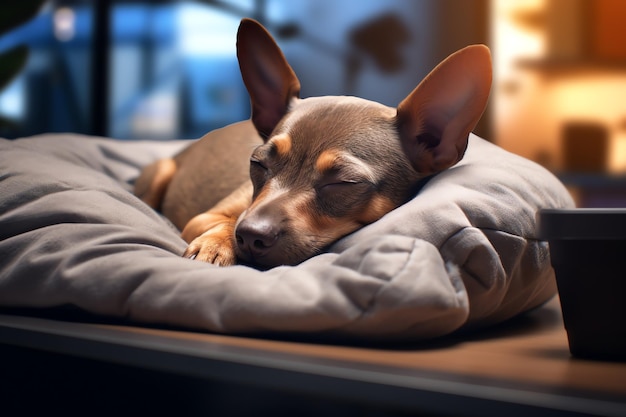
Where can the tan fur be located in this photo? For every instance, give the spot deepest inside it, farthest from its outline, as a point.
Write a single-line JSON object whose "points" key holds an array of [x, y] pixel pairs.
{"points": [[377, 207], [154, 181], [326, 161], [282, 144], [211, 234]]}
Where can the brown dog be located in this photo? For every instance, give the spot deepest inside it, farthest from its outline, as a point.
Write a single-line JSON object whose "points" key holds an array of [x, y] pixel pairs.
{"points": [[319, 168]]}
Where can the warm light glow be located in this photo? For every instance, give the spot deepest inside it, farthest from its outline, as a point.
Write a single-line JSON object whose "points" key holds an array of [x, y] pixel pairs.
{"points": [[544, 80], [512, 92], [511, 39], [595, 96], [617, 160], [598, 98]]}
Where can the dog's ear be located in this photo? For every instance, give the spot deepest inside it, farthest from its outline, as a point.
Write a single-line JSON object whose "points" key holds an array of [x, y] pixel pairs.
{"points": [[270, 81], [435, 120]]}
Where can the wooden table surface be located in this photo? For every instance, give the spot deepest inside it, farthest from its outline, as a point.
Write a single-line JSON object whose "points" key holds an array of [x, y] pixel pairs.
{"points": [[515, 367]]}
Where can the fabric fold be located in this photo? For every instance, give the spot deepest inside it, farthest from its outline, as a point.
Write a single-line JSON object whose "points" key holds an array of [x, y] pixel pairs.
{"points": [[461, 253]]}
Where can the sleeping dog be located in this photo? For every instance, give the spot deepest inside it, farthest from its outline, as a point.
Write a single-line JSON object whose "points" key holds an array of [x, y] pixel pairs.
{"points": [[301, 173]]}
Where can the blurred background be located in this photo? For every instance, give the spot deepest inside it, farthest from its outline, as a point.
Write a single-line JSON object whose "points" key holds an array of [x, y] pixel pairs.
{"points": [[167, 69]]}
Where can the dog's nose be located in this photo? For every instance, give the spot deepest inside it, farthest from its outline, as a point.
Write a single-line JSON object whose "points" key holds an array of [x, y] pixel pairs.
{"points": [[255, 237]]}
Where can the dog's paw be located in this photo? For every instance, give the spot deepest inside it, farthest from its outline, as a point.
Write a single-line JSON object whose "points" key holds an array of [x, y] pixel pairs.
{"points": [[216, 245], [212, 249]]}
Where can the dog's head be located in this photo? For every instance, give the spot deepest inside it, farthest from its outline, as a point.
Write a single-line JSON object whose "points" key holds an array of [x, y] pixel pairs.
{"points": [[331, 165]]}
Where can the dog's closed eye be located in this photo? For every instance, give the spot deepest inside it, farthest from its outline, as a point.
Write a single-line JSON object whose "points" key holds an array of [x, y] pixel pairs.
{"points": [[346, 190], [343, 187], [259, 173], [258, 165], [336, 184]]}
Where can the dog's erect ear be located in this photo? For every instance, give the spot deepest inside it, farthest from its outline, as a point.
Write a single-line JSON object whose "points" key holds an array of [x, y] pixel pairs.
{"points": [[270, 81], [435, 120]]}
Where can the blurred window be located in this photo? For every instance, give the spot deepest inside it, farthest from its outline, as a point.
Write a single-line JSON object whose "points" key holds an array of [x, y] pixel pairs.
{"points": [[173, 71]]}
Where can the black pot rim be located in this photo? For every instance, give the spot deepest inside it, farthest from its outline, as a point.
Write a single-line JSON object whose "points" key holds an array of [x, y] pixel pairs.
{"points": [[582, 223]]}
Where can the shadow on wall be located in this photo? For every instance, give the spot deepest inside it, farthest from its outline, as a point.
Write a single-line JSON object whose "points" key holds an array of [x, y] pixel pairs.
{"points": [[378, 50]]}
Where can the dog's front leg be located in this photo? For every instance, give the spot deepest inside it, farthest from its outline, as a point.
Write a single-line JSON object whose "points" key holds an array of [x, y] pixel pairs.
{"points": [[211, 235]]}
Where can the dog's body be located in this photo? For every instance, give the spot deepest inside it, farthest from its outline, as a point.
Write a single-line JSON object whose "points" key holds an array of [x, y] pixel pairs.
{"points": [[304, 172]]}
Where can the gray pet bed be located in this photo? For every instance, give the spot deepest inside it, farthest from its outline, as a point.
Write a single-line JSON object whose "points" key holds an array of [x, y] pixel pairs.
{"points": [[462, 253]]}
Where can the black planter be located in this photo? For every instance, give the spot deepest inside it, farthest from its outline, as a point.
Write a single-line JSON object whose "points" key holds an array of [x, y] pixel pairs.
{"points": [[588, 253]]}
